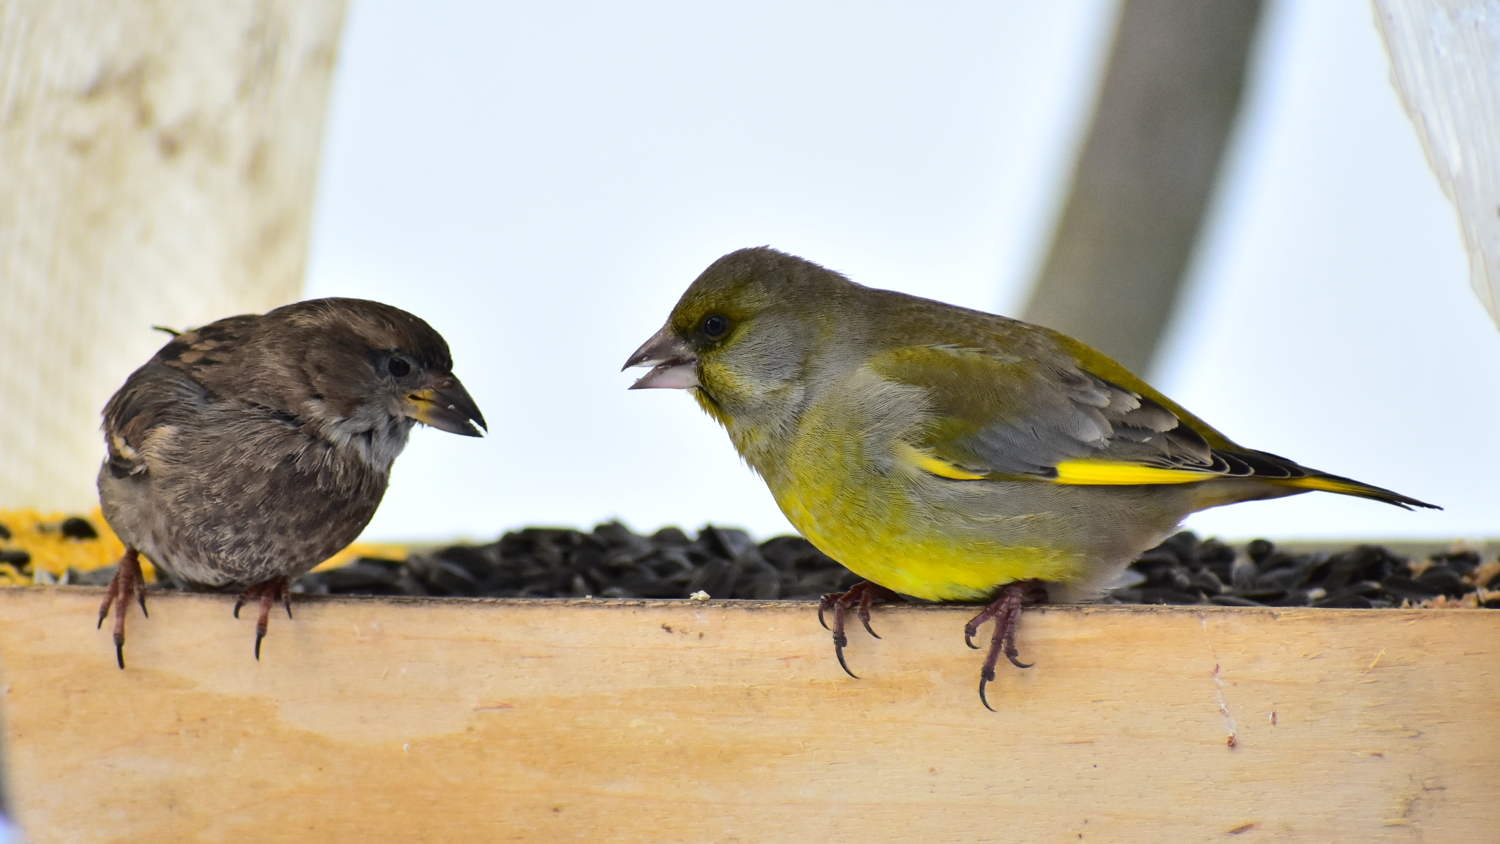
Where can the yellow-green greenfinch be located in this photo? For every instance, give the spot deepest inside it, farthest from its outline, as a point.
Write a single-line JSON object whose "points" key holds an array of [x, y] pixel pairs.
{"points": [[945, 453]]}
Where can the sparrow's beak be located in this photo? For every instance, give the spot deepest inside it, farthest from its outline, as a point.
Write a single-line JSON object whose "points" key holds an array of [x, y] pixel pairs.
{"points": [[673, 364], [445, 405]]}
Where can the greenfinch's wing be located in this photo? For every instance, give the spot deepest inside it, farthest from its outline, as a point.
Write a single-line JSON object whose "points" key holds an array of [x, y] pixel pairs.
{"points": [[1001, 415], [1045, 416]]}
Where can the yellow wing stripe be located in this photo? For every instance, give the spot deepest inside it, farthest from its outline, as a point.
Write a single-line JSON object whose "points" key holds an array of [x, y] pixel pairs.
{"points": [[1073, 472], [1105, 473], [1108, 473], [933, 465]]}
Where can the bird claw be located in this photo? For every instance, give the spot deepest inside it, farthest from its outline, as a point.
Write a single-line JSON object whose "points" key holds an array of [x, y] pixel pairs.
{"points": [[840, 641], [863, 611], [128, 582], [265, 593], [824, 603], [861, 596], [970, 631], [1005, 611], [983, 680]]}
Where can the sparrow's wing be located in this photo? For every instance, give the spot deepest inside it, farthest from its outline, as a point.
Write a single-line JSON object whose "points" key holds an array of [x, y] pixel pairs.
{"points": [[207, 355], [155, 400], [171, 389]]}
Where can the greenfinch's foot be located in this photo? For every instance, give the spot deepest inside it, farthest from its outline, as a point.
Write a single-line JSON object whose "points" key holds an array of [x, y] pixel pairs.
{"points": [[1005, 611], [266, 593], [128, 582], [866, 593]]}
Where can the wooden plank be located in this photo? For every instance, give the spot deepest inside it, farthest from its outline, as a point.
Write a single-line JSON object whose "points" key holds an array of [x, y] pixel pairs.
{"points": [[485, 720]]}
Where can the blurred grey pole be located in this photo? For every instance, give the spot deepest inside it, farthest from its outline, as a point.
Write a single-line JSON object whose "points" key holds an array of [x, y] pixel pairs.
{"points": [[1145, 174]]}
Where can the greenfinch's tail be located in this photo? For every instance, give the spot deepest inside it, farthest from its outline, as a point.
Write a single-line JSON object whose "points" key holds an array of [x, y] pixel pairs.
{"points": [[1348, 486], [1282, 472]]}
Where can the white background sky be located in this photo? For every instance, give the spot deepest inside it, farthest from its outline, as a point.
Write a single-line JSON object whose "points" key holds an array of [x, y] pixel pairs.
{"points": [[541, 182]]}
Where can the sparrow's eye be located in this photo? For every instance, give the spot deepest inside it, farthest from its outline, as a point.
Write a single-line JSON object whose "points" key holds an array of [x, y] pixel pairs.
{"points": [[715, 325], [398, 366]]}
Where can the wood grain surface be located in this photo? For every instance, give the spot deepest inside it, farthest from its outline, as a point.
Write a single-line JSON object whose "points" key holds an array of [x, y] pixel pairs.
{"points": [[490, 720]]}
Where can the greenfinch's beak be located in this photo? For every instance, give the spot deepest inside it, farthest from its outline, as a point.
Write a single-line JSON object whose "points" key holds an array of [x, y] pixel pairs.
{"points": [[445, 405], [673, 364]]}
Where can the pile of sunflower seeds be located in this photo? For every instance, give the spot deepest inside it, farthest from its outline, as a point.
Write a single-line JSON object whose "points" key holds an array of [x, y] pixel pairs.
{"points": [[1185, 570], [609, 562], [613, 562]]}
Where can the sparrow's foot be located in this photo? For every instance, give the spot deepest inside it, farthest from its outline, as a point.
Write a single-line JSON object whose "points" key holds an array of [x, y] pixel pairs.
{"points": [[267, 593], [1005, 611], [128, 582], [865, 593]]}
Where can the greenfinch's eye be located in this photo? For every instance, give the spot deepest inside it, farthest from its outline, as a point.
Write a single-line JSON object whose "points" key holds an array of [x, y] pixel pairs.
{"points": [[398, 366], [715, 326]]}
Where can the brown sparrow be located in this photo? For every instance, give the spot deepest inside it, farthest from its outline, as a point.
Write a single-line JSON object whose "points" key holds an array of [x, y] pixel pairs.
{"points": [[248, 451]]}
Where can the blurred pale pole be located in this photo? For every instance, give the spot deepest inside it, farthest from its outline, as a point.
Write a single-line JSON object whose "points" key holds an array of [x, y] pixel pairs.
{"points": [[1145, 174], [1445, 55], [157, 163]]}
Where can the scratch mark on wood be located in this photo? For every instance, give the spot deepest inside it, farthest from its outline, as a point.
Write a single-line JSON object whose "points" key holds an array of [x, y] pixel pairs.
{"points": [[1232, 737]]}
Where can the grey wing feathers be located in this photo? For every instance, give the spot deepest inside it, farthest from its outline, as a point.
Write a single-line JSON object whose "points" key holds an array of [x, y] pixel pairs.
{"points": [[1072, 414]]}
